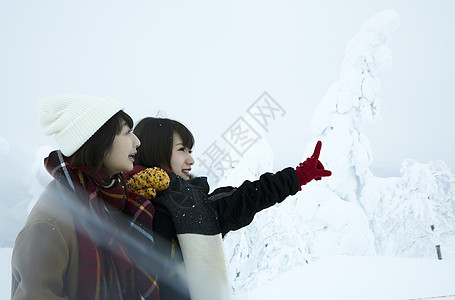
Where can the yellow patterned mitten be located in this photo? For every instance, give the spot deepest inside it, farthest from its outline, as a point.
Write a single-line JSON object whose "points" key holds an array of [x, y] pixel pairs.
{"points": [[148, 182]]}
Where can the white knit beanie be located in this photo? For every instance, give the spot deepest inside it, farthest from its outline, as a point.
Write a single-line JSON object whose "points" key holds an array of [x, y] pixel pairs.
{"points": [[74, 118]]}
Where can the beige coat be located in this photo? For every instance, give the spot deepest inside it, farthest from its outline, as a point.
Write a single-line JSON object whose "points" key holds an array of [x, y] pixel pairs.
{"points": [[45, 261]]}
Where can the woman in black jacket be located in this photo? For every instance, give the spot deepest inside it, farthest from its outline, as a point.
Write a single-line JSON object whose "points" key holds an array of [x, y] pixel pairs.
{"points": [[191, 220]]}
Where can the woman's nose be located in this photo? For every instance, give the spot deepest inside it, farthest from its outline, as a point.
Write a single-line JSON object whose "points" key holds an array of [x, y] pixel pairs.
{"points": [[190, 160], [136, 141]]}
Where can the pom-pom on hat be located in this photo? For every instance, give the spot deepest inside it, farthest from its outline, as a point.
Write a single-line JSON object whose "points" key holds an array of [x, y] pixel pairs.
{"points": [[74, 118]]}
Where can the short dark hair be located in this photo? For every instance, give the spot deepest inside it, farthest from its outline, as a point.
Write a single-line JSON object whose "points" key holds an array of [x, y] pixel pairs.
{"points": [[95, 149], [157, 138]]}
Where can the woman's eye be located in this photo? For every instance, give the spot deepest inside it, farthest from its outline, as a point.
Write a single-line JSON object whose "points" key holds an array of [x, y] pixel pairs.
{"points": [[129, 131]]}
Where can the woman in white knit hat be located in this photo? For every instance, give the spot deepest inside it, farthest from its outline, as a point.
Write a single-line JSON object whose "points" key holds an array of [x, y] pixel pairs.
{"points": [[75, 243]]}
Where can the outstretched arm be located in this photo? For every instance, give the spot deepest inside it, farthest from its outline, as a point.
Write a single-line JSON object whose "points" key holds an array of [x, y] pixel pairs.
{"points": [[236, 207]]}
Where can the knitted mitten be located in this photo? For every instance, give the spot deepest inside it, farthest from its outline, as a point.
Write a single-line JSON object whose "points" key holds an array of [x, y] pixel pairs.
{"points": [[148, 182], [311, 168]]}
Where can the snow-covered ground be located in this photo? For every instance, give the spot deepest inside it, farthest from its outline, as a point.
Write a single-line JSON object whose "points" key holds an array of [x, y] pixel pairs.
{"points": [[350, 236], [338, 277], [358, 277]]}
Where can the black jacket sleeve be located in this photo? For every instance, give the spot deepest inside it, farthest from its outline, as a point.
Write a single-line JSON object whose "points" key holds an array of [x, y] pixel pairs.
{"points": [[236, 207]]}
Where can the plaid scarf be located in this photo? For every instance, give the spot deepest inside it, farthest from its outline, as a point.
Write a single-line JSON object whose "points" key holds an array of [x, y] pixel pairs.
{"points": [[107, 215]]}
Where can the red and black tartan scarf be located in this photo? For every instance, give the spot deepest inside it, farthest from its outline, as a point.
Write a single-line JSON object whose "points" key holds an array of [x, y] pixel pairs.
{"points": [[106, 215]]}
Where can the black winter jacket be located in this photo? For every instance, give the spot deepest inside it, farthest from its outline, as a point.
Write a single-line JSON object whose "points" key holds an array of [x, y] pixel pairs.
{"points": [[234, 208]]}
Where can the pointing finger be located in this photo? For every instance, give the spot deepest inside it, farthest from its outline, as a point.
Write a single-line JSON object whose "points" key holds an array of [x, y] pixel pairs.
{"points": [[317, 150]]}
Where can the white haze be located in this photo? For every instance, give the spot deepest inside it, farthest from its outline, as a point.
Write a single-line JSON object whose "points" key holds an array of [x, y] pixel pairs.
{"points": [[384, 210]]}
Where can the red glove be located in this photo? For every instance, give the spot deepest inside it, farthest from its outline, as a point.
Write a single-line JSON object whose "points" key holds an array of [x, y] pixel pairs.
{"points": [[311, 168]]}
